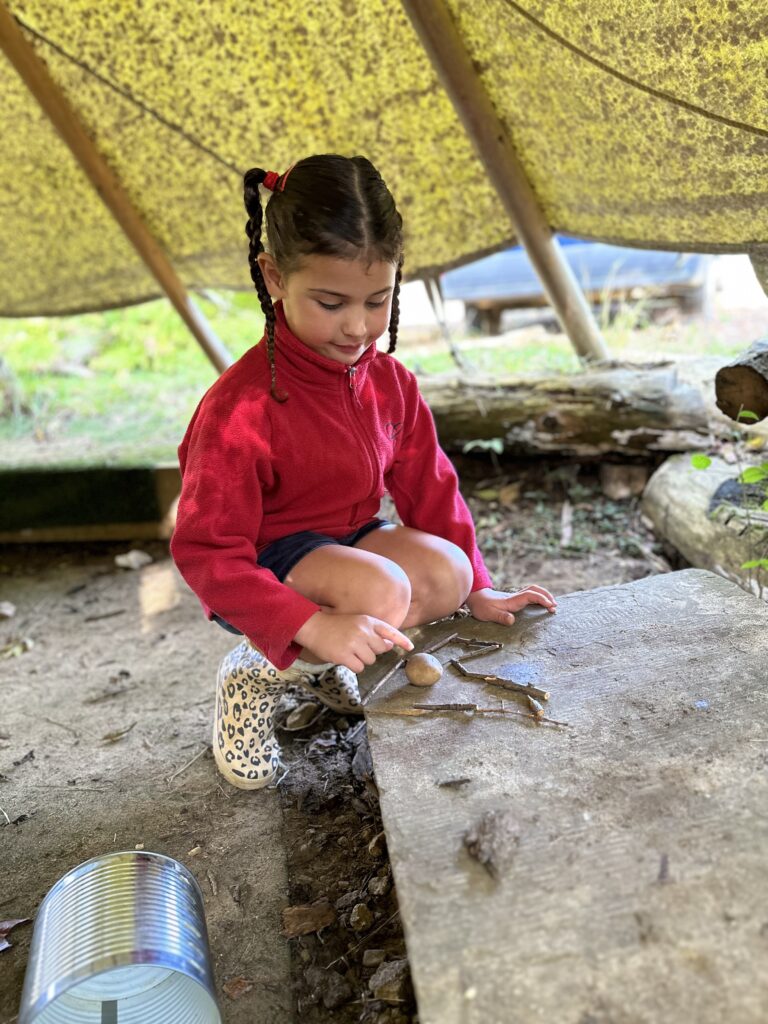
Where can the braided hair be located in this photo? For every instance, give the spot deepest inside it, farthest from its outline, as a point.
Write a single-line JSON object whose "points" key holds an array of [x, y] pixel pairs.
{"points": [[327, 205]]}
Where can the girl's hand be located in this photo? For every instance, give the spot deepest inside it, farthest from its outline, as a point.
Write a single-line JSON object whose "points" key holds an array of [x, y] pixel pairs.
{"points": [[350, 640], [489, 605]]}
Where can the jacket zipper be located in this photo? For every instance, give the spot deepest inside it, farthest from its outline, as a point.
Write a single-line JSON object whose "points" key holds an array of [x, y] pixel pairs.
{"points": [[351, 371]]}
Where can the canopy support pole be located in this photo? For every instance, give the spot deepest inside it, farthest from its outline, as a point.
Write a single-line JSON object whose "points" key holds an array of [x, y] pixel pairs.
{"points": [[39, 82], [445, 48]]}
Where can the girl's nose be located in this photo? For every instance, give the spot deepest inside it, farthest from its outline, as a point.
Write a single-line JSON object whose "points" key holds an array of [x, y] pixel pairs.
{"points": [[354, 326]]}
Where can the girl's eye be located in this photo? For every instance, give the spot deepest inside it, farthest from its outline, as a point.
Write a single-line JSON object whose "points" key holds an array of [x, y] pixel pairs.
{"points": [[330, 306], [375, 305]]}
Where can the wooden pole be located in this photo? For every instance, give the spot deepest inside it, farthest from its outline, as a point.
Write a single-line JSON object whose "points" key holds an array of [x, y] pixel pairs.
{"points": [[445, 47], [66, 122]]}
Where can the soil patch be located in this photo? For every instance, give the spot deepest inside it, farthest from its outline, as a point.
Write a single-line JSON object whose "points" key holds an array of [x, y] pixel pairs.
{"points": [[114, 647]]}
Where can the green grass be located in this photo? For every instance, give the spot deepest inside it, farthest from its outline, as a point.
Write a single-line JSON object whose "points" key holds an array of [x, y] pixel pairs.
{"points": [[145, 373]]}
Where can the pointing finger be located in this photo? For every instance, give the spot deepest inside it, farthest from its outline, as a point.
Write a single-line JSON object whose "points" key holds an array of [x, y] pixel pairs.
{"points": [[390, 633]]}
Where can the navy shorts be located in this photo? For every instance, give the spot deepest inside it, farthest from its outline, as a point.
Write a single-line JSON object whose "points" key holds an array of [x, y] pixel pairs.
{"points": [[281, 555]]}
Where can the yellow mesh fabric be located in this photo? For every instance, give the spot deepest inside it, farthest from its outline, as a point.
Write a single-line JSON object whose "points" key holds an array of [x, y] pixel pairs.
{"points": [[637, 122]]}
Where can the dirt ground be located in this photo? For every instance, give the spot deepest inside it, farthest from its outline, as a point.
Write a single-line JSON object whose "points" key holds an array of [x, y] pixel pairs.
{"points": [[107, 677]]}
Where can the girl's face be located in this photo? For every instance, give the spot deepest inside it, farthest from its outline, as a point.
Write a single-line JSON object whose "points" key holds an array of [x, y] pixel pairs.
{"points": [[336, 307]]}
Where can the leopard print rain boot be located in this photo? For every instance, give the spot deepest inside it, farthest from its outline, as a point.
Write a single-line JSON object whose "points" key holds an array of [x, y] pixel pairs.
{"points": [[333, 685], [248, 690]]}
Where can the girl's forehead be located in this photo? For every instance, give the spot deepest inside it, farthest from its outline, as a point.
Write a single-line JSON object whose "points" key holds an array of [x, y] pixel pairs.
{"points": [[349, 277]]}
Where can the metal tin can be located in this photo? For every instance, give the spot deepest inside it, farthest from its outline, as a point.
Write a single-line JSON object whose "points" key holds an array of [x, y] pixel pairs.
{"points": [[121, 939]]}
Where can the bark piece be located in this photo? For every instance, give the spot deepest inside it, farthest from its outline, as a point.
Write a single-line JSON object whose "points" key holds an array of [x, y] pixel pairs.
{"points": [[492, 841], [311, 917]]}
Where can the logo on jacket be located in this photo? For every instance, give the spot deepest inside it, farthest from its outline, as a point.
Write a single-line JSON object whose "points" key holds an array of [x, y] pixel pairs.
{"points": [[393, 429]]}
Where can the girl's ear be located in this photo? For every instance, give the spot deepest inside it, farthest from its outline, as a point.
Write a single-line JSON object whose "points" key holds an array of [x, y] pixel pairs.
{"points": [[272, 276]]}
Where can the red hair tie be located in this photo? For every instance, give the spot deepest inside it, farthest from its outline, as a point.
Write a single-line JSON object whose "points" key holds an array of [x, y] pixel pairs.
{"points": [[271, 178], [285, 177]]}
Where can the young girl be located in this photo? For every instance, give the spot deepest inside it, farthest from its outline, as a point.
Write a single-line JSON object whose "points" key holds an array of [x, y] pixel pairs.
{"points": [[288, 455]]}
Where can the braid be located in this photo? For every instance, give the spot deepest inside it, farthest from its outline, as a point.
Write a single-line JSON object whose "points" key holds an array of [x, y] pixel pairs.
{"points": [[394, 317], [253, 179]]}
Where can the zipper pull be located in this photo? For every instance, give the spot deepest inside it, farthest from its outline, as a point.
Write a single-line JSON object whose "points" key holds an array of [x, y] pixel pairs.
{"points": [[352, 370]]}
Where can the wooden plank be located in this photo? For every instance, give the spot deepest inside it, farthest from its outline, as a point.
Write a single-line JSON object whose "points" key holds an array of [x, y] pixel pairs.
{"points": [[631, 882], [433, 22], [67, 123]]}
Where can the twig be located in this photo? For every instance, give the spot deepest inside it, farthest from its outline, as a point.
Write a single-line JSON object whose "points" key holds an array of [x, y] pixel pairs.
{"points": [[384, 679], [399, 664], [506, 684], [61, 725], [440, 643], [426, 709], [351, 733], [185, 766], [105, 615], [489, 649], [362, 941], [7, 819]]}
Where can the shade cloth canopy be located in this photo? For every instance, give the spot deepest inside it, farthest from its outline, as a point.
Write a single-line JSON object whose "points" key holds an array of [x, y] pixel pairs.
{"points": [[636, 122]]}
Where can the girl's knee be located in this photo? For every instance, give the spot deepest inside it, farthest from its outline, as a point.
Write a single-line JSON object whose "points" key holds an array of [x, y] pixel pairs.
{"points": [[387, 592], [446, 579], [377, 586]]}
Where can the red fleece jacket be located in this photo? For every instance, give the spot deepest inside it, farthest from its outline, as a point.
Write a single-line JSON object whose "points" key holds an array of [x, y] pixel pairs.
{"points": [[255, 470]]}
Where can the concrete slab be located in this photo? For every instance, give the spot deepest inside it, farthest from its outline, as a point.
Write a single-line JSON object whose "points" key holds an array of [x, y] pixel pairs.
{"points": [[629, 850], [115, 650]]}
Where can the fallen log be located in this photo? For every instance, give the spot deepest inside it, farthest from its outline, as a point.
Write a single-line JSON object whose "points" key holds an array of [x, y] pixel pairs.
{"points": [[743, 384], [613, 409], [714, 521]]}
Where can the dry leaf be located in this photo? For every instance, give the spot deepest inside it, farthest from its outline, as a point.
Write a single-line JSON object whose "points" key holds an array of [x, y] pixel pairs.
{"points": [[236, 987], [308, 918], [16, 647], [510, 495], [301, 717], [6, 927]]}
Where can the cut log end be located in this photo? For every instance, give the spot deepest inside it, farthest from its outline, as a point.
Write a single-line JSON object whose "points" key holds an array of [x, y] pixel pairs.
{"points": [[742, 386]]}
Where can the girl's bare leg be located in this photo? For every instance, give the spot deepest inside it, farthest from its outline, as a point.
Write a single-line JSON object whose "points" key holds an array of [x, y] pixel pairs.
{"points": [[403, 576], [439, 572]]}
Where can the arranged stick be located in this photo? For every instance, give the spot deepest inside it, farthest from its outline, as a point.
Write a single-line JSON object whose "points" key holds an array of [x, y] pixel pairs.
{"points": [[479, 651], [440, 643], [401, 661], [506, 684], [418, 710]]}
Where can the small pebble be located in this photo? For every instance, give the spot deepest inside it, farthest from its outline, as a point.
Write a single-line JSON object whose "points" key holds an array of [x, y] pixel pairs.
{"points": [[373, 957], [361, 918], [379, 886]]}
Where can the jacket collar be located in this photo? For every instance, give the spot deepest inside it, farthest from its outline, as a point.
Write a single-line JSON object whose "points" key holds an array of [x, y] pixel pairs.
{"points": [[297, 361]]}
